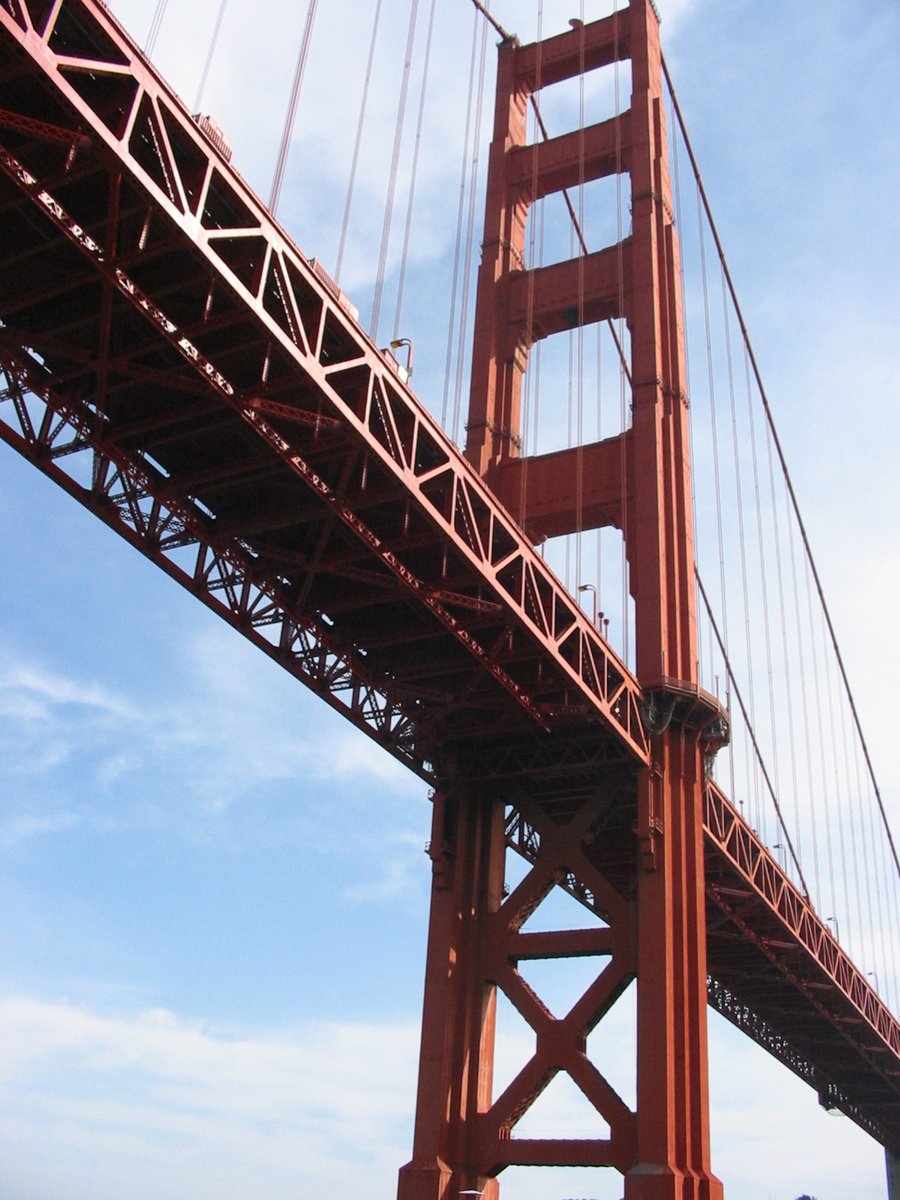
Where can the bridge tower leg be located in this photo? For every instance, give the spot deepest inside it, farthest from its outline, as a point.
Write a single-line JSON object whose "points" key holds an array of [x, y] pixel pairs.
{"points": [[649, 895]]}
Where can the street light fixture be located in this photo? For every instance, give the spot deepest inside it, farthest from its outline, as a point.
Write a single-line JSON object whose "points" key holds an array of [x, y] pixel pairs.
{"points": [[395, 345], [589, 587]]}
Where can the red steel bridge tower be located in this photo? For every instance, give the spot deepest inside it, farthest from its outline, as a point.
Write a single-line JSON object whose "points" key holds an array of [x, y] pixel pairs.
{"points": [[628, 841], [171, 358]]}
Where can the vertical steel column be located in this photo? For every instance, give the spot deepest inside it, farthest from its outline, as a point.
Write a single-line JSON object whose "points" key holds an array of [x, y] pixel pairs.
{"points": [[673, 1159], [457, 1049], [499, 351], [463, 1138]]}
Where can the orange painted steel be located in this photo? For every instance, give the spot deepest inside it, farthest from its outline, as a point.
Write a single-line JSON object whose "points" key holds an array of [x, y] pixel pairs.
{"points": [[651, 898], [633, 848], [178, 365]]}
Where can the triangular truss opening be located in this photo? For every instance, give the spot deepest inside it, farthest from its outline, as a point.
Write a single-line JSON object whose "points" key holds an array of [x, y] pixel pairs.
{"points": [[612, 1045], [514, 1044], [561, 982], [514, 870], [561, 910], [562, 1111]]}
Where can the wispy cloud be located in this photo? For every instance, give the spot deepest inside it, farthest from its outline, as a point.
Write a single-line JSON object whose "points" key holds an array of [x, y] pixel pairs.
{"points": [[33, 693], [158, 1100], [397, 872], [229, 727], [23, 828]]}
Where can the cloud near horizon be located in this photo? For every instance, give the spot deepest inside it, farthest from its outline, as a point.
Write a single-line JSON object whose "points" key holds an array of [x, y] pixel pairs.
{"points": [[161, 1102], [147, 1102]]}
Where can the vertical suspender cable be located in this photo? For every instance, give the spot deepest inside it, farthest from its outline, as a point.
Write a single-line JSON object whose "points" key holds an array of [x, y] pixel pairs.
{"points": [[579, 434], [535, 257], [463, 175], [155, 26], [723, 649], [856, 829], [804, 703], [785, 648], [570, 433], [620, 341], [292, 108], [470, 235], [363, 104], [752, 781], [392, 177], [834, 772], [816, 657], [404, 255], [763, 575], [213, 41], [739, 504]]}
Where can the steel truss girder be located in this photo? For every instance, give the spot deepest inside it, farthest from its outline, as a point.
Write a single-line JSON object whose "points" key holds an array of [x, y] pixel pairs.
{"points": [[304, 323], [123, 494], [743, 850], [798, 966], [831, 1095]]}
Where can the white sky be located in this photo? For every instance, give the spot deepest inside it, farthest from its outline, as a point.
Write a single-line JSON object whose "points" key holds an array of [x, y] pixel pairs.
{"points": [[213, 891]]}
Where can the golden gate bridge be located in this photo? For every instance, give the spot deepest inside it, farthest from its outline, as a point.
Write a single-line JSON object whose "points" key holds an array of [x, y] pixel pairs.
{"points": [[173, 360]]}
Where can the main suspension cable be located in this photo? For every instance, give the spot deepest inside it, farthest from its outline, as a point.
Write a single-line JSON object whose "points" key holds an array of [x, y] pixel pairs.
{"points": [[485, 12]]}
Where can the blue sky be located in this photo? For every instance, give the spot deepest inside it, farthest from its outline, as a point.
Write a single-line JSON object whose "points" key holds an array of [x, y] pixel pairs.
{"points": [[214, 893]]}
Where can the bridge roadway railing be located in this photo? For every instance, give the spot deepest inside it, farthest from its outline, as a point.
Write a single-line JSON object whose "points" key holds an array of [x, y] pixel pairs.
{"points": [[173, 361]]}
